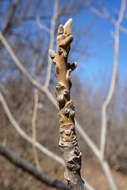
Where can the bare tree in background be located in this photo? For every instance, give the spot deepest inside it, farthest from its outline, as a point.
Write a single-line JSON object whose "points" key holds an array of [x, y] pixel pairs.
{"points": [[41, 70]]}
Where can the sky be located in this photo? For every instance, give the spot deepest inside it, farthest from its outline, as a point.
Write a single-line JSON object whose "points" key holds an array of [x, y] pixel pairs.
{"points": [[101, 62]]}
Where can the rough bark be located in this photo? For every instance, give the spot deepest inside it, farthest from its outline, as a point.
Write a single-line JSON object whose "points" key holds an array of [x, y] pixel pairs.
{"points": [[68, 139]]}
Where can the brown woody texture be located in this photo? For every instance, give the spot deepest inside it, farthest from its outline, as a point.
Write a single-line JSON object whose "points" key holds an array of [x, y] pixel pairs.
{"points": [[68, 139]]}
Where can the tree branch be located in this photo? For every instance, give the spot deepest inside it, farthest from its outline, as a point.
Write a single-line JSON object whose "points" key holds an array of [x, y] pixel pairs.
{"points": [[30, 169], [51, 41], [68, 140], [106, 15], [41, 26], [8, 21], [34, 118], [113, 79]]}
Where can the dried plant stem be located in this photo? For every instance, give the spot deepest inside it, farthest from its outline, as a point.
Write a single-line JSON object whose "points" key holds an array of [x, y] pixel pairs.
{"points": [[68, 139], [34, 129]]}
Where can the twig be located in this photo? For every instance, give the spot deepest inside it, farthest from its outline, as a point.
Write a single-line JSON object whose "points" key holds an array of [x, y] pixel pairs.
{"points": [[113, 80], [107, 171], [34, 129], [27, 167], [51, 41], [68, 139], [8, 21], [19, 65], [106, 15], [41, 26]]}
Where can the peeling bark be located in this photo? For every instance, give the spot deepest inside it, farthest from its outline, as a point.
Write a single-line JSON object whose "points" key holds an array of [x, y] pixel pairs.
{"points": [[68, 139]]}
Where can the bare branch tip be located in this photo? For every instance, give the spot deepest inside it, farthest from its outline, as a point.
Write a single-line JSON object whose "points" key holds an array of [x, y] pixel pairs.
{"points": [[67, 27]]}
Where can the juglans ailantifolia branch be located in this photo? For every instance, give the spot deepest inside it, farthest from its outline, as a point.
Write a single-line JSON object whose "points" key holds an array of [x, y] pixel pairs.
{"points": [[68, 139]]}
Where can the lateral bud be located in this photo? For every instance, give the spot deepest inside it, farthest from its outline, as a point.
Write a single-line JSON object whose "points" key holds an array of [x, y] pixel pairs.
{"points": [[52, 53]]}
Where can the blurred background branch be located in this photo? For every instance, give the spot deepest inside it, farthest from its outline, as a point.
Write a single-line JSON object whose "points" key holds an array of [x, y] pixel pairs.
{"points": [[113, 79], [27, 167]]}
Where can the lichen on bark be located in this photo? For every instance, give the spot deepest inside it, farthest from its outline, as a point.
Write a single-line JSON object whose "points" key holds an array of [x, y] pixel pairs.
{"points": [[68, 139]]}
